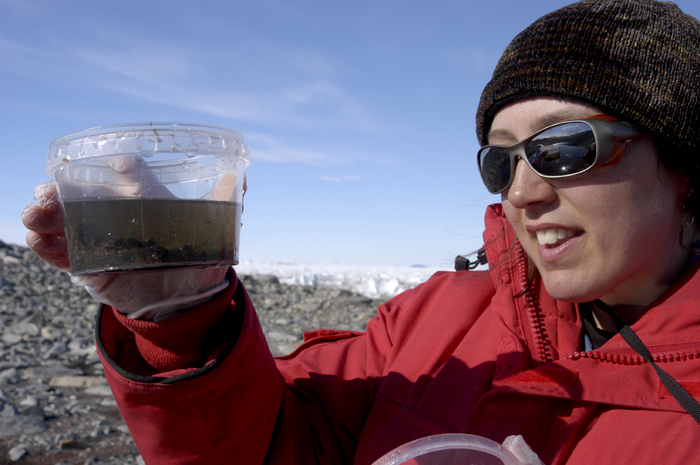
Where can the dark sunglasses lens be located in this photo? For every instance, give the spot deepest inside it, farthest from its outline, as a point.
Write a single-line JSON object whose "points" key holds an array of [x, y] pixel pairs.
{"points": [[566, 149], [494, 163]]}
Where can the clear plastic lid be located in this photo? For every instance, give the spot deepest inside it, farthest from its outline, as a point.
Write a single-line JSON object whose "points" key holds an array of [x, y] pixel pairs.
{"points": [[450, 449], [153, 141]]}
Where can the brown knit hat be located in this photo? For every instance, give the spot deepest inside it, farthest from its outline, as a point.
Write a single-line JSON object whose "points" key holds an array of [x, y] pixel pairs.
{"points": [[639, 60]]}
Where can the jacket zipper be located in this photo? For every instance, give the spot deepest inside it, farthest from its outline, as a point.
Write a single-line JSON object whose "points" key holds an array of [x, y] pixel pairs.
{"points": [[535, 316], [541, 340], [633, 359]]}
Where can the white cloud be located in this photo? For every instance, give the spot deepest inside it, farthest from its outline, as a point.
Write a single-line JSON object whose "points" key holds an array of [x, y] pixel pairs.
{"points": [[271, 149], [147, 65], [25, 60], [296, 94], [297, 91]]}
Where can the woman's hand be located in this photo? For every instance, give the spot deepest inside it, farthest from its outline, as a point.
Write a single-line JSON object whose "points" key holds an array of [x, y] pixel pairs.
{"points": [[46, 235], [149, 295]]}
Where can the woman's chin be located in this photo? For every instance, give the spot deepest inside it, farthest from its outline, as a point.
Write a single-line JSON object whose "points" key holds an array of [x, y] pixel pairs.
{"points": [[570, 290]]}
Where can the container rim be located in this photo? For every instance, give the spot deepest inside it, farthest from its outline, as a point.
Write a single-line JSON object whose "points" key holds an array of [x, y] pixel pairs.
{"points": [[447, 441], [170, 137], [110, 128]]}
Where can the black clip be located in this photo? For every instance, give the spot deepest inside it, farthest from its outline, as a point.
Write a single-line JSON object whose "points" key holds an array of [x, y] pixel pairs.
{"points": [[463, 263]]}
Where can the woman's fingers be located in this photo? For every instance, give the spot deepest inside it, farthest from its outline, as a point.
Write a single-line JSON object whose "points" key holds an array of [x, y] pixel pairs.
{"points": [[41, 220], [46, 196], [45, 217], [46, 237], [225, 188], [50, 248]]}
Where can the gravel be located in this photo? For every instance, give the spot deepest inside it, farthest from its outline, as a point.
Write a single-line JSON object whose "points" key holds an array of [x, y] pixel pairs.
{"points": [[55, 405]]}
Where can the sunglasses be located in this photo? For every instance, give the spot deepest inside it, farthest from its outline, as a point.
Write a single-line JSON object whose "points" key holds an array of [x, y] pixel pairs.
{"points": [[558, 151]]}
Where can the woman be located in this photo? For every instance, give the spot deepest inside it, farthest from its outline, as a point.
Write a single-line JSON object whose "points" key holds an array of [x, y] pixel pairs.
{"points": [[591, 134]]}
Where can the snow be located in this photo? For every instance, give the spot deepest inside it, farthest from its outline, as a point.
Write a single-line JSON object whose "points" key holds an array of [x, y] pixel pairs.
{"points": [[371, 281]]}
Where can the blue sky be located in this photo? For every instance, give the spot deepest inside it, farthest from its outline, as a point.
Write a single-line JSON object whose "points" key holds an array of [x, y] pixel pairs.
{"points": [[359, 115]]}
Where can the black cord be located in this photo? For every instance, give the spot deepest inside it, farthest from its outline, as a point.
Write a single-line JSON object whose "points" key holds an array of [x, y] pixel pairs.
{"points": [[687, 401]]}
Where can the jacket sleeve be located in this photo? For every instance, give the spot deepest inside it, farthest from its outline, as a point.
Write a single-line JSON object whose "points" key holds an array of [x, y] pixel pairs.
{"points": [[239, 405]]}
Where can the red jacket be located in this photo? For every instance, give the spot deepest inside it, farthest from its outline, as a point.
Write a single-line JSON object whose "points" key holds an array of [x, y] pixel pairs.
{"points": [[465, 352]]}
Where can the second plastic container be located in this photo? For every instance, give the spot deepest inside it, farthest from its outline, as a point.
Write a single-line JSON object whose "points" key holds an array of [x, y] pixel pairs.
{"points": [[450, 449]]}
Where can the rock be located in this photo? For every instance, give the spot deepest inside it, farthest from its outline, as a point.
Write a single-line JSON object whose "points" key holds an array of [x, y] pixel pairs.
{"points": [[21, 424], [25, 327], [280, 336], [9, 376], [10, 260], [5, 284], [123, 428], [100, 427], [95, 461], [29, 401], [11, 339], [8, 410], [80, 349], [17, 453], [56, 349], [50, 333], [69, 443], [100, 390], [48, 372], [78, 381]]}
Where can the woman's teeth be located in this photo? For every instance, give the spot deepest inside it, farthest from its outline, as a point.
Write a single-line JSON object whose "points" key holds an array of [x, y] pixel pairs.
{"points": [[551, 236]]}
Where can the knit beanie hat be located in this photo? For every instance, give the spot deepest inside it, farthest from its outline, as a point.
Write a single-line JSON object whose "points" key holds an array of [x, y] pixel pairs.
{"points": [[639, 60]]}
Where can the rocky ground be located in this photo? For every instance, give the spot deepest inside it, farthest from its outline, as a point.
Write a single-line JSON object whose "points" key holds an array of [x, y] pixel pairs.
{"points": [[55, 405]]}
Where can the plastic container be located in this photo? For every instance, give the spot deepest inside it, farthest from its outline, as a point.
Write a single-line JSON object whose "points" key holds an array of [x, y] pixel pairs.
{"points": [[450, 449], [147, 196]]}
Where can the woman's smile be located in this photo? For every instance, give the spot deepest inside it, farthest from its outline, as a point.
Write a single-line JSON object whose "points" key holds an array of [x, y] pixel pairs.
{"points": [[553, 236]]}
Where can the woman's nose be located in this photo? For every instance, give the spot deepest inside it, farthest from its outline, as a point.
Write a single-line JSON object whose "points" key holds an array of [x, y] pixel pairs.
{"points": [[528, 189]]}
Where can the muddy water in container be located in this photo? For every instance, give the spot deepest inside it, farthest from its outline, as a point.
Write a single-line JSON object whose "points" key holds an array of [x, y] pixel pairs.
{"points": [[150, 196]]}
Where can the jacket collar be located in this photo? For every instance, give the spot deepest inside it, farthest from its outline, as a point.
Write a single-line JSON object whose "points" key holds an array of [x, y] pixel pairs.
{"points": [[551, 329]]}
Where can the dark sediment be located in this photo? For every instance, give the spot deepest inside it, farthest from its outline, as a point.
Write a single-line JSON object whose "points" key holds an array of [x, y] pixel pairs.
{"points": [[157, 233]]}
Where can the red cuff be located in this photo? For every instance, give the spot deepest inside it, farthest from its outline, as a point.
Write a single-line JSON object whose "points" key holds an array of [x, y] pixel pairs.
{"points": [[183, 341]]}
